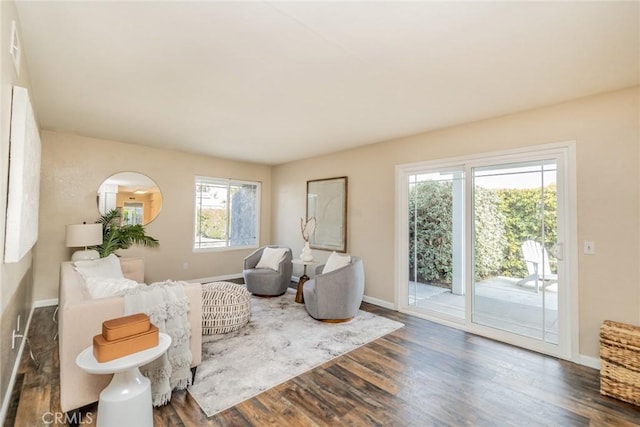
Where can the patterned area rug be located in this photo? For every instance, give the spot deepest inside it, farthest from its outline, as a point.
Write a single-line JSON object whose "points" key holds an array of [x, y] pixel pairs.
{"points": [[280, 342]]}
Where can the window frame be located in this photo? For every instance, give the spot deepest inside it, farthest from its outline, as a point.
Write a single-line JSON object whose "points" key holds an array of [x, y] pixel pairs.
{"points": [[229, 182]]}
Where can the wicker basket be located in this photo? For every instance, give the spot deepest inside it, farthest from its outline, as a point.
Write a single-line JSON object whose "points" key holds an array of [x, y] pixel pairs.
{"points": [[620, 361], [226, 307]]}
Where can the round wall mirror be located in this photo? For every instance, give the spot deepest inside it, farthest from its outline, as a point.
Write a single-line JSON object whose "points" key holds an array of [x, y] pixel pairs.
{"points": [[136, 196]]}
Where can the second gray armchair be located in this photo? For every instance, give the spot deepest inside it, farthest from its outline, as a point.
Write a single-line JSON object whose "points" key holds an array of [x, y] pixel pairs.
{"points": [[268, 281], [335, 296]]}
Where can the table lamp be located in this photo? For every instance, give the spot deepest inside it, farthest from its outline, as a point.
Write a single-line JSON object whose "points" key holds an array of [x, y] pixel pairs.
{"points": [[79, 235]]}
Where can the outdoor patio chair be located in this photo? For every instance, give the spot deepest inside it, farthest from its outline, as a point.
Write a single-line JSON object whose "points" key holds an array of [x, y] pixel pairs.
{"points": [[537, 260]]}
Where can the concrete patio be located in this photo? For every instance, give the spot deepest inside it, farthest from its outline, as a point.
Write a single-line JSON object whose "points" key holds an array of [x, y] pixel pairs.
{"points": [[499, 302]]}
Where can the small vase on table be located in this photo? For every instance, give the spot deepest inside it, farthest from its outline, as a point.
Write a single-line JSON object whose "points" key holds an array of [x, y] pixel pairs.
{"points": [[306, 255]]}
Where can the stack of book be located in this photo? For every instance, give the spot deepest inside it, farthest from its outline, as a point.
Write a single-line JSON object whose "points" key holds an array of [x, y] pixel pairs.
{"points": [[124, 336]]}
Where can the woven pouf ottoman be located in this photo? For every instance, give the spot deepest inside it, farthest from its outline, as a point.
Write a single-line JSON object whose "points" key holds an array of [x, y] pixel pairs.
{"points": [[226, 307]]}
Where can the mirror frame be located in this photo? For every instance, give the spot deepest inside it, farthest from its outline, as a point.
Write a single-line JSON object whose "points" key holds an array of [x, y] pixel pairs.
{"points": [[151, 185], [327, 202]]}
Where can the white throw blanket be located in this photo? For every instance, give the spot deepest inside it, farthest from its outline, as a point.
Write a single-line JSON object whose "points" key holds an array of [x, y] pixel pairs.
{"points": [[166, 305]]}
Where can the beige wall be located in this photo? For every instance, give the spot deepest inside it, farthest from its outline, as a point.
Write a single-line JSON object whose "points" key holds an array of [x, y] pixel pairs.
{"points": [[606, 131], [16, 279], [73, 168]]}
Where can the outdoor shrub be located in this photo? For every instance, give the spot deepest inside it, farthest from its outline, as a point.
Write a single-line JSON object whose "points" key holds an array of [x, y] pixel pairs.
{"points": [[212, 223], [490, 240], [522, 222], [504, 219], [430, 232]]}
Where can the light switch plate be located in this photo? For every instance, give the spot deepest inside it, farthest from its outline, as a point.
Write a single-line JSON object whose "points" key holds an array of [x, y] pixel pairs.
{"points": [[589, 247]]}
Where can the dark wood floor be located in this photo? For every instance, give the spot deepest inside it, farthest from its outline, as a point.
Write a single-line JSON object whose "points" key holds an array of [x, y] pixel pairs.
{"points": [[422, 374]]}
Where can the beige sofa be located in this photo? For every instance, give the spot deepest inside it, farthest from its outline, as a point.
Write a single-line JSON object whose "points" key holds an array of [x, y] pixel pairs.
{"points": [[80, 318]]}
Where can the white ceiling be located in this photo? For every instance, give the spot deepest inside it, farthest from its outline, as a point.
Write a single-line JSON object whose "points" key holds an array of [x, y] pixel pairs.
{"points": [[273, 82]]}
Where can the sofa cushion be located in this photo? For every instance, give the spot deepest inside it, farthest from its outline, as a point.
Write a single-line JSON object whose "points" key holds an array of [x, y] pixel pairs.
{"points": [[335, 262], [104, 287], [271, 258], [102, 267]]}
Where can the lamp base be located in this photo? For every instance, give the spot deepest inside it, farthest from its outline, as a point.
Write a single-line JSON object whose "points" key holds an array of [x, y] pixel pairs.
{"points": [[85, 255]]}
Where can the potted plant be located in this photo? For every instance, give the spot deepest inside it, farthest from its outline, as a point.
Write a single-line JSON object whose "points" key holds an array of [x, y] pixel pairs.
{"points": [[116, 236]]}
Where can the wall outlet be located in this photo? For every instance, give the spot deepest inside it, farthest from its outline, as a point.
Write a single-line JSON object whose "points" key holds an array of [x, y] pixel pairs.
{"points": [[185, 265]]}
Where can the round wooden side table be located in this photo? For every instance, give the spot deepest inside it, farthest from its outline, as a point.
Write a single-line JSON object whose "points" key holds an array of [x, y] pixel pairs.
{"points": [[303, 278]]}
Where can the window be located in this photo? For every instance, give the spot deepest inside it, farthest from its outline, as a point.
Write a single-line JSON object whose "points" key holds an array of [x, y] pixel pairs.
{"points": [[132, 213], [227, 213]]}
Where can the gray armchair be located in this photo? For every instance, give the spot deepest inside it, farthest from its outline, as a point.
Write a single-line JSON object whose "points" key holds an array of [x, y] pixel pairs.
{"points": [[336, 295], [265, 281]]}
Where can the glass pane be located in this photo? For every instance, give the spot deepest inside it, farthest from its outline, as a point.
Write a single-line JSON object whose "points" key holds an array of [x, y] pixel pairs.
{"points": [[515, 228], [435, 242], [211, 215], [132, 213], [244, 209]]}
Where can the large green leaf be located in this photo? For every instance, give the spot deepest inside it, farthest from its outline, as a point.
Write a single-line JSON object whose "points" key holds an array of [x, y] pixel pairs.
{"points": [[116, 236]]}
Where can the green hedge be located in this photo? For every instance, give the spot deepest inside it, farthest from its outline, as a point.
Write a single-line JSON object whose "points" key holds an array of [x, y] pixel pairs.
{"points": [[430, 232], [522, 208], [504, 219], [490, 239]]}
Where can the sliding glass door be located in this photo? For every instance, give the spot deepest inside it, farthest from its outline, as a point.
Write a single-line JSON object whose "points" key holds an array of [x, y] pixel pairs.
{"points": [[515, 280], [481, 246]]}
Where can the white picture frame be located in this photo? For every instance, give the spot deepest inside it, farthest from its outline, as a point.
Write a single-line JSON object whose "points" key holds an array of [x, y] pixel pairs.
{"points": [[23, 200]]}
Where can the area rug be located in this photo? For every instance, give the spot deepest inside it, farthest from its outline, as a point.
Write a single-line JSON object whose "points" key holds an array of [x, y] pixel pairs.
{"points": [[280, 342]]}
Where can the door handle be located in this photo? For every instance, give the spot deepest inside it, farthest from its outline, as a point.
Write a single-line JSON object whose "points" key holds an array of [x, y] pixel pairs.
{"points": [[557, 251]]}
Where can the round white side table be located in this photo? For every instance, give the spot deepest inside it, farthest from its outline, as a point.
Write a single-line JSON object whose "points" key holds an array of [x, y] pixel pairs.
{"points": [[126, 401]]}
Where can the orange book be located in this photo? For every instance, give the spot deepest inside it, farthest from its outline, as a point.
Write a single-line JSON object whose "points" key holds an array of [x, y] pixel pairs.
{"points": [[122, 327], [105, 351]]}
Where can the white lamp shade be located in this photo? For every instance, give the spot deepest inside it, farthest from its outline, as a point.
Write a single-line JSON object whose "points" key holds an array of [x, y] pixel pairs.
{"points": [[84, 235]]}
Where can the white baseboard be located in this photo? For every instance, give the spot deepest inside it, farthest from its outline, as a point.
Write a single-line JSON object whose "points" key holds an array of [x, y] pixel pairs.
{"points": [[216, 278], [591, 362], [14, 372], [379, 302], [45, 303]]}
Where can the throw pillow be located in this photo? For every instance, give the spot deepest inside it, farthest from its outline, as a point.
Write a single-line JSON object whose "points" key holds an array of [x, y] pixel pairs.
{"points": [[336, 261], [103, 267], [104, 287], [271, 258]]}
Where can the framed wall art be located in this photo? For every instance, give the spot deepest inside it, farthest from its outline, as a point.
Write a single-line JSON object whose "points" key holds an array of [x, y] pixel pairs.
{"points": [[327, 203], [24, 179]]}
